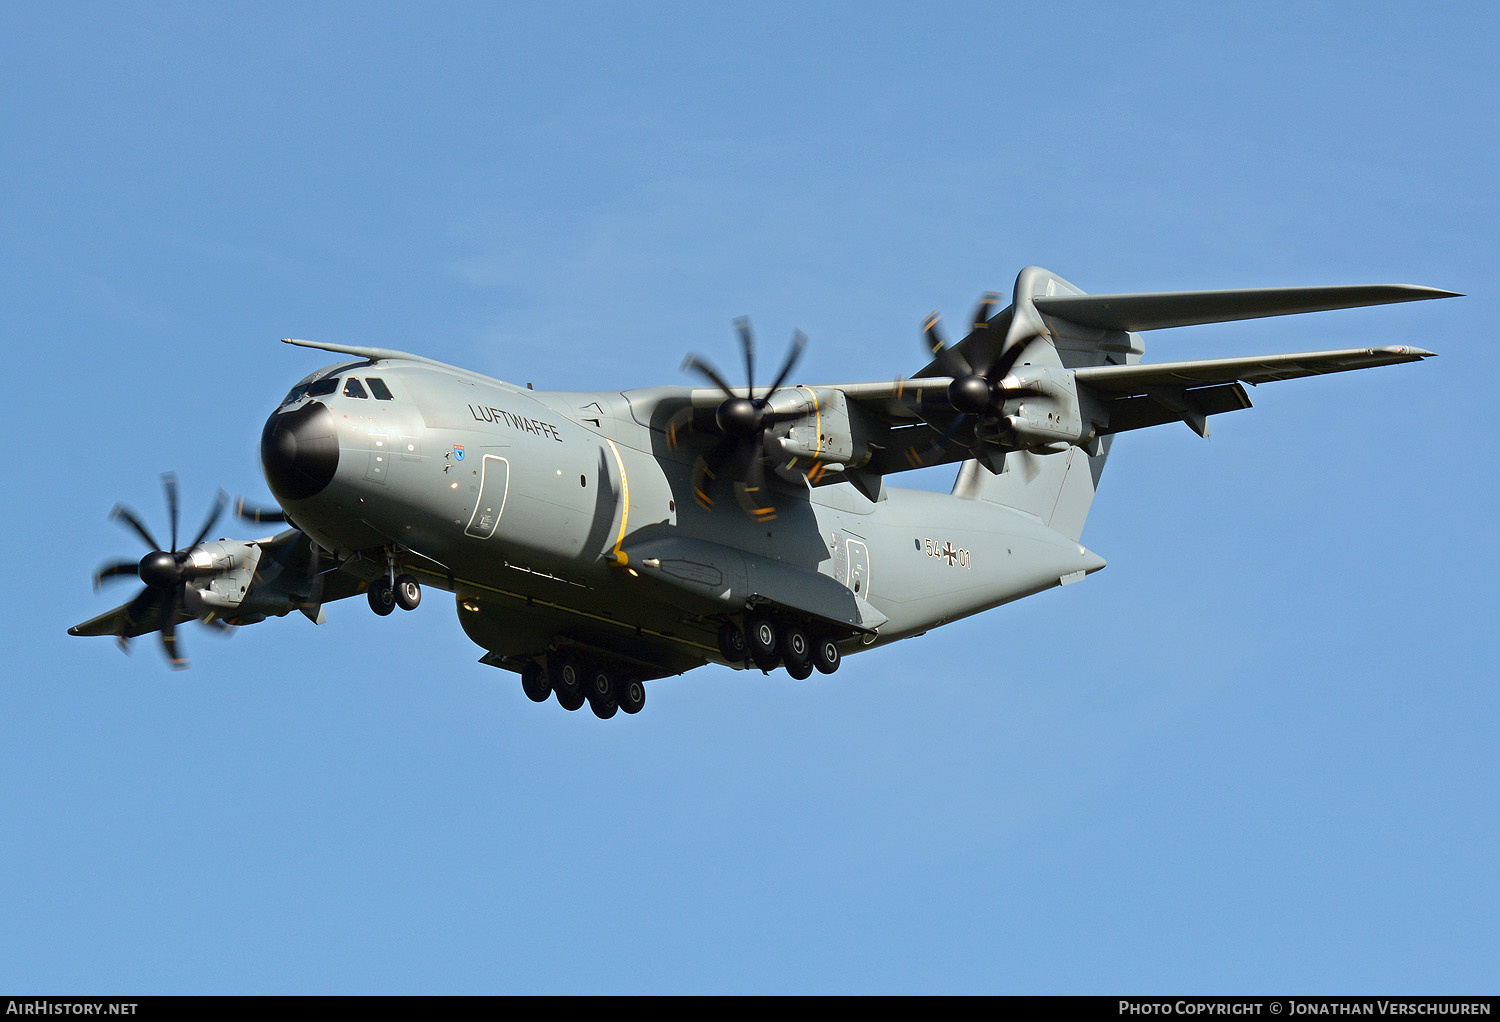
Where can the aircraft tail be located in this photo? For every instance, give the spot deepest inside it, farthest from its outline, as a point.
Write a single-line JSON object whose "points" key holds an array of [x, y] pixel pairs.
{"points": [[1059, 487], [1074, 330]]}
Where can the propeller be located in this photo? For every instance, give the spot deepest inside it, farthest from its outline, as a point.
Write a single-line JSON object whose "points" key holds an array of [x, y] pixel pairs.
{"points": [[255, 513], [165, 572], [977, 391], [743, 425]]}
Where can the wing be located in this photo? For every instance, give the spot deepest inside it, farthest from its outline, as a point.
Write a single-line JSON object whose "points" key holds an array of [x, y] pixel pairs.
{"points": [[1255, 369], [1137, 396], [128, 620], [1132, 397]]}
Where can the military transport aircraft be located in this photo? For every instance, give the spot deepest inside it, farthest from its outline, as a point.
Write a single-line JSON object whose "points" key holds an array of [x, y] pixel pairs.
{"points": [[597, 541]]}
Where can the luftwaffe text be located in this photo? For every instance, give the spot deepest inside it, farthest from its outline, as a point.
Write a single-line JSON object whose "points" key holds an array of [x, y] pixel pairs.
{"points": [[525, 425]]}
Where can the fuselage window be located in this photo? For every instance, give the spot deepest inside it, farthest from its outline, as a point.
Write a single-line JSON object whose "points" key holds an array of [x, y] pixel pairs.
{"points": [[353, 389], [323, 387], [378, 388]]}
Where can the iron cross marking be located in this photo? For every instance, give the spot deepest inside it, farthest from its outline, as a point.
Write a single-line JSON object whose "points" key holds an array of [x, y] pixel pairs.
{"points": [[949, 553]]}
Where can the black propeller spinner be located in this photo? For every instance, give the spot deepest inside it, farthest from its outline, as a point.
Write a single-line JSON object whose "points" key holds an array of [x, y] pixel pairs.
{"points": [[744, 424], [165, 573], [976, 390]]}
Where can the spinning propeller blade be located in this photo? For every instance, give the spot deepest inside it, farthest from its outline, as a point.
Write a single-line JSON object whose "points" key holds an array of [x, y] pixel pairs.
{"points": [[743, 422], [977, 391], [254, 513], [164, 572]]}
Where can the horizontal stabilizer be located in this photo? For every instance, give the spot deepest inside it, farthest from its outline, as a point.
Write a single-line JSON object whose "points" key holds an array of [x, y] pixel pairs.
{"points": [[1156, 311]]}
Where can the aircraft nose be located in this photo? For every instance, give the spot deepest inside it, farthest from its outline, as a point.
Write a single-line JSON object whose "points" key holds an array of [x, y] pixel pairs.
{"points": [[299, 451]]}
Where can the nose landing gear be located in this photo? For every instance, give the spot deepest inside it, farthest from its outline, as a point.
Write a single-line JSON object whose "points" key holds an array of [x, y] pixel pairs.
{"points": [[382, 596], [408, 592], [391, 591]]}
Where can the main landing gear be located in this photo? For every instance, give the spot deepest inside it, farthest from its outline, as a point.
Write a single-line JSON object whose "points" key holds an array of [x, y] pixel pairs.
{"points": [[576, 682], [767, 644]]}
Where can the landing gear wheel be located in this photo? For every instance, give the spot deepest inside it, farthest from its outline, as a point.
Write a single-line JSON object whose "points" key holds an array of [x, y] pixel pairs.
{"points": [[382, 596], [534, 682], [731, 642], [826, 655], [408, 592], [796, 651], [632, 696], [601, 693], [567, 681], [760, 639]]}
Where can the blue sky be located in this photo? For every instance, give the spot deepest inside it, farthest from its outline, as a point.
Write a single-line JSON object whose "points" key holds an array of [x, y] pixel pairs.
{"points": [[1255, 754]]}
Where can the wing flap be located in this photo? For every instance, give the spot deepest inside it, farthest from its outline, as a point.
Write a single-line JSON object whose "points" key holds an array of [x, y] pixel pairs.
{"points": [[1190, 406], [1255, 369]]}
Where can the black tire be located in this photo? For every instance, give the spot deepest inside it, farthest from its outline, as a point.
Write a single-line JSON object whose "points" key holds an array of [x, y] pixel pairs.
{"points": [[382, 597], [796, 650], [601, 684], [826, 655], [732, 642], [534, 682], [601, 692], [408, 592], [567, 681], [760, 640], [801, 670], [632, 695]]}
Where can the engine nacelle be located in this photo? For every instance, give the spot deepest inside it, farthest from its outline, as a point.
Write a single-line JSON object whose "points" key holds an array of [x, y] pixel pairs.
{"points": [[826, 430], [237, 587], [1048, 419]]}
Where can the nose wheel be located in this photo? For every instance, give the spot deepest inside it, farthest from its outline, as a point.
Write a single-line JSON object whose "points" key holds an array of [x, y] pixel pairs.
{"points": [[408, 592], [386, 595], [382, 596]]}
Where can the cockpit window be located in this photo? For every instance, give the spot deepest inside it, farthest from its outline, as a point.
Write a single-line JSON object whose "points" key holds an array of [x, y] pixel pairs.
{"points": [[353, 389], [378, 388], [295, 393], [323, 387]]}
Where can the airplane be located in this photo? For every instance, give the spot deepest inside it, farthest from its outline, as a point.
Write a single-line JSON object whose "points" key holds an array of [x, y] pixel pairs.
{"points": [[598, 541]]}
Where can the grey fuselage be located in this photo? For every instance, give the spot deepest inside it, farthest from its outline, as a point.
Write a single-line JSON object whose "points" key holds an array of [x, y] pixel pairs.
{"points": [[566, 518]]}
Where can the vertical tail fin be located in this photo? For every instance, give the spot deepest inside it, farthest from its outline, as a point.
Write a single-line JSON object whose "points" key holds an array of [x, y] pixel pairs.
{"points": [[1059, 487]]}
